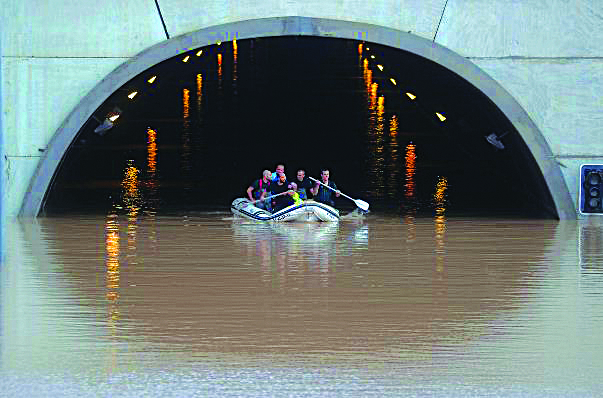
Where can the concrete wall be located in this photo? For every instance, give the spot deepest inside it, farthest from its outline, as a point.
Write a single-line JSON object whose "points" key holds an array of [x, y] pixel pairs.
{"points": [[60, 59], [548, 54]]}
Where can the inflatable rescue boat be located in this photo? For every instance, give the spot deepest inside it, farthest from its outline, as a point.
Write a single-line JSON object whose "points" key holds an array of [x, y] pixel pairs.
{"points": [[308, 210]]}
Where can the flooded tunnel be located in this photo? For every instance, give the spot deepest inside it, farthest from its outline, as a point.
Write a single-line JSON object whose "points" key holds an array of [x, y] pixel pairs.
{"points": [[397, 130]]}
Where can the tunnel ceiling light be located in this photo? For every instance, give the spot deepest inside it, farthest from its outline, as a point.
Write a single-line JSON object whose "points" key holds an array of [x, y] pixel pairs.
{"points": [[152, 79], [132, 94], [113, 117], [411, 96], [199, 53], [380, 67], [372, 57], [440, 116], [185, 59], [391, 79]]}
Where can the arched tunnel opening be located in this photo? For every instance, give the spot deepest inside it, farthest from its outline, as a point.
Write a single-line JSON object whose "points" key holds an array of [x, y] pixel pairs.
{"points": [[397, 130]]}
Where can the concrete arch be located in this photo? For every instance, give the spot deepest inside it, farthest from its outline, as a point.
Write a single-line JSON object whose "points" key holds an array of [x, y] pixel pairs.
{"points": [[294, 26]]}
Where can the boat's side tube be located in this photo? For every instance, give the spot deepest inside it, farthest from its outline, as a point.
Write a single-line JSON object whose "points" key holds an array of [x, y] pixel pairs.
{"points": [[245, 208], [325, 213]]}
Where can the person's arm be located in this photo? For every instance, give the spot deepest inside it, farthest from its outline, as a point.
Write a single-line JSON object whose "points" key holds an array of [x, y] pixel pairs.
{"points": [[337, 192], [315, 189], [249, 193]]}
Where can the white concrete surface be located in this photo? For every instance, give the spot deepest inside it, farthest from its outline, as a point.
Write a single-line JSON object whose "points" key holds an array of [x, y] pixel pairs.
{"points": [[525, 28], [546, 55], [417, 16], [81, 29]]}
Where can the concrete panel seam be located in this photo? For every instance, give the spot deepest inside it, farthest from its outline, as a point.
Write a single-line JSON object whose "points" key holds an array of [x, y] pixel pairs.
{"points": [[578, 156], [522, 58], [22, 156], [59, 57]]}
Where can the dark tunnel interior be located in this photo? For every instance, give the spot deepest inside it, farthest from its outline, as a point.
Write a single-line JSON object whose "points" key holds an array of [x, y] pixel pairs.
{"points": [[394, 129]]}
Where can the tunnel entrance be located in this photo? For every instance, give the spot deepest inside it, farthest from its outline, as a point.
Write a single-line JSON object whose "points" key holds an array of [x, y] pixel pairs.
{"points": [[395, 129]]}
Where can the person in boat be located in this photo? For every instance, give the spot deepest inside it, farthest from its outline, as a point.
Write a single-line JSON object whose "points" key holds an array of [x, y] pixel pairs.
{"points": [[279, 187], [304, 185], [295, 196], [280, 169], [258, 190], [323, 194]]}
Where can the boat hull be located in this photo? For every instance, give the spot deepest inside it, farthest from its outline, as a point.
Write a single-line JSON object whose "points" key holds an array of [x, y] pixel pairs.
{"points": [[306, 212]]}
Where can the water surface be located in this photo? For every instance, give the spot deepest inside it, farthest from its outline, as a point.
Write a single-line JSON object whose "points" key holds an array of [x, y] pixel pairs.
{"points": [[204, 304]]}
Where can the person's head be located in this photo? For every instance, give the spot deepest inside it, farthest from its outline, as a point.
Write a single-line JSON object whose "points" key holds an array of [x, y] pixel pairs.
{"points": [[267, 175], [325, 175], [293, 186], [282, 177], [300, 175], [280, 169]]}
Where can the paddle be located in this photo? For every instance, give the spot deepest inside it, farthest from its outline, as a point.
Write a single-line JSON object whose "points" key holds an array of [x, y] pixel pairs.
{"points": [[362, 205], [272, 196]]}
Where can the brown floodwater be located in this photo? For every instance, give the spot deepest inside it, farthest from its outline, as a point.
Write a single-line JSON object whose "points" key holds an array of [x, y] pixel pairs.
{"points": [[207, 305]]}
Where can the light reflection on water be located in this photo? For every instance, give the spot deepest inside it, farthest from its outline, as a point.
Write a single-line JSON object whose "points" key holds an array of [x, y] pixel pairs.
{"points": [[374, 306]]}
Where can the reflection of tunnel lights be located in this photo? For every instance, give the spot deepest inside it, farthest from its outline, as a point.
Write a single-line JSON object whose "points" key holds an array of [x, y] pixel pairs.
{"points": [[440, 116], [440, 191], [114, 117], [410, 159], [130, 193], [151, 151], [411, 96], [152, 79], [132, 94]]}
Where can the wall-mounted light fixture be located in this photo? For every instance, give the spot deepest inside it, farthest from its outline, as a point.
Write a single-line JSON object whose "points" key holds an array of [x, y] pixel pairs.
{"points": [[495, 141], [108, 122]]}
